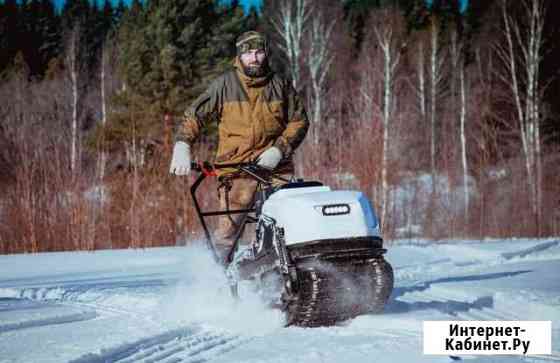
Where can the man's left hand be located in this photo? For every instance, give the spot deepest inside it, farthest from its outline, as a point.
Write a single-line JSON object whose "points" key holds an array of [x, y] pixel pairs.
{"points": [[270, 158]]}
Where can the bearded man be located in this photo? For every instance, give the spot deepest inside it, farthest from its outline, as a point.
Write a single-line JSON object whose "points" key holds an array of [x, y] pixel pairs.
{"points": [[261, 119]]}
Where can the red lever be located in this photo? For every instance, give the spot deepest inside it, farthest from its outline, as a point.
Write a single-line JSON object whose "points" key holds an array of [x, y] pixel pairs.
{"points": [[207, 172]]}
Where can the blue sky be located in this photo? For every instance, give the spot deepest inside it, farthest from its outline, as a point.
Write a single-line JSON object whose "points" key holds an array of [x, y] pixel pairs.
{"points": [[246, 3]]}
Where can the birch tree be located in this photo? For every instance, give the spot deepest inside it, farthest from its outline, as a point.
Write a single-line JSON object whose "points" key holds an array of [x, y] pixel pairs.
{"points": [[458, 63], [72, 60], [388, 31], [291, 24], [419, 47], [421, 74], [319, 62], [103, 86], [437, 78], [109, 84], [521, 53]]}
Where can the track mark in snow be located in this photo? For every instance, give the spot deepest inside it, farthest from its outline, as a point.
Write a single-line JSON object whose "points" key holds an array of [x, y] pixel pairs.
{"points": [[182, 345], [56, 320], [449, 301], [450, 307], [213, 349], [84, 298], [400, 291], [524, 253], [142, 346], [8, 304]]}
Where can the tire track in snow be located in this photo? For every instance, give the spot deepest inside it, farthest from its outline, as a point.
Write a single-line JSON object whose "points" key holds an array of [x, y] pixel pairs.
{"points": [[89, 298], [56, 320], [415, 273], [459, 304], [190, 345], [215, 349], [127, 350], [432, 293], [531, 250]]}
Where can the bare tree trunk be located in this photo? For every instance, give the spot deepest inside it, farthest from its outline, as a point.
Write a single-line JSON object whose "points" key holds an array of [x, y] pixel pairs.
{"points": [[367, 111], [436, 63], [291, 26], [72, 60], [523, 51], [463, 119], [103, 154], [387, 36], [134, 226], [319, 61], [436, 77], [459, 70], [74, 120], [421, 81], [539, 181]]}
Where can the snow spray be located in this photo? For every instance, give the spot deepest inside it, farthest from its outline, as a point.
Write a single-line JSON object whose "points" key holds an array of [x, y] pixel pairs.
{"points": [[202, 296]]}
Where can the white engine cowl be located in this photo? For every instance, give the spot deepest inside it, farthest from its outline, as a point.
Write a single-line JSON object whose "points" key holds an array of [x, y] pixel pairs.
{"points": [[317, 213]]}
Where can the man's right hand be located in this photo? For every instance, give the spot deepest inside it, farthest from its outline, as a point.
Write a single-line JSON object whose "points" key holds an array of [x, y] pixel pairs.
{"points": [[181, 160]]}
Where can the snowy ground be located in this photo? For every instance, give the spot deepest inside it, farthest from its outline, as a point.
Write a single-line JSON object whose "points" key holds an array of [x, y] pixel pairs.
{"points": [[169, 305]]}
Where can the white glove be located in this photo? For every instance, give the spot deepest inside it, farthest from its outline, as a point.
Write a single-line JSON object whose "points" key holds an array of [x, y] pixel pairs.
{"points": [[181, 160], [270, 158]]}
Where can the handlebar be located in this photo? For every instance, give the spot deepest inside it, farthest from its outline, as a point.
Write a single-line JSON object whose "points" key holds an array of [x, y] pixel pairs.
{"points": [[254, 170], [201, 165]]}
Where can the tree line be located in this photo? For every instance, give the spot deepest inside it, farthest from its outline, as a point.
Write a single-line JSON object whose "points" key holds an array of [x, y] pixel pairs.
{"points": [[444, 116]]}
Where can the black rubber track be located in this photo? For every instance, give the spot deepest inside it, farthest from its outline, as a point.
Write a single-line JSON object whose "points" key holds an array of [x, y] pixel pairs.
{"points": [[334, 291]]}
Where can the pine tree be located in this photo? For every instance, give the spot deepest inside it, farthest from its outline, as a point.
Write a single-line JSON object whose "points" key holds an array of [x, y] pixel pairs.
{"points": [[74, 11], [169, 50], [49, 24], [251, 21], [119, 11], [39, 35], [132, 65], [417, 14], [476, 13], [231, 22], [108, 17], [449, 14], [9, 32], [95, 33]]}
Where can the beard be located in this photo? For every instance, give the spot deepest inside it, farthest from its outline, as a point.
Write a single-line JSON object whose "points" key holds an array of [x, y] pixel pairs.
{"points": [[255, 70]]}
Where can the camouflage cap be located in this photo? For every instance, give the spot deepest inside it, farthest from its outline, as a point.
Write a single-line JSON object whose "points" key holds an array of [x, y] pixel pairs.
{"points": [[251, 40]]}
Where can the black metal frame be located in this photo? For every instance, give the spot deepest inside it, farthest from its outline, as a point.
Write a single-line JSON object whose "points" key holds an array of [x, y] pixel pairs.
{"points": [[262, 175]]}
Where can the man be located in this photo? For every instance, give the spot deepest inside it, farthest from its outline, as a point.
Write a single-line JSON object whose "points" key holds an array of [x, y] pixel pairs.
{"points": [[260, 119]]}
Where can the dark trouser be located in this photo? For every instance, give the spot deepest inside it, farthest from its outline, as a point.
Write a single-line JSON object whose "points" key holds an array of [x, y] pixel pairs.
{"points": [[235, 193]]}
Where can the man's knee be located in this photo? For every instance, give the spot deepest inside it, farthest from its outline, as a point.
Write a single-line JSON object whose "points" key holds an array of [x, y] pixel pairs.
{"points": [[225, 231]]}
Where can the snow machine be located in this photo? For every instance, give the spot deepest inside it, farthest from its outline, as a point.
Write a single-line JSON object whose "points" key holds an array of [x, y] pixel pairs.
{"points": [[317, 253]]}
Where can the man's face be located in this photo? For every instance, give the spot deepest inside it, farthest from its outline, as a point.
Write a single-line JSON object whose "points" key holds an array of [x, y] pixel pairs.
{"points": [[253, 62]]}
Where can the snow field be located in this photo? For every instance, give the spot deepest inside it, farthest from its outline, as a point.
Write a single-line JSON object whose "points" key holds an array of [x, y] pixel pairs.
{"points": [[173, 305]]}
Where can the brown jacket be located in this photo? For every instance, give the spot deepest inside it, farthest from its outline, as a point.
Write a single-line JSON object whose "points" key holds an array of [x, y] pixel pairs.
{"points": [[253, 114]]}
